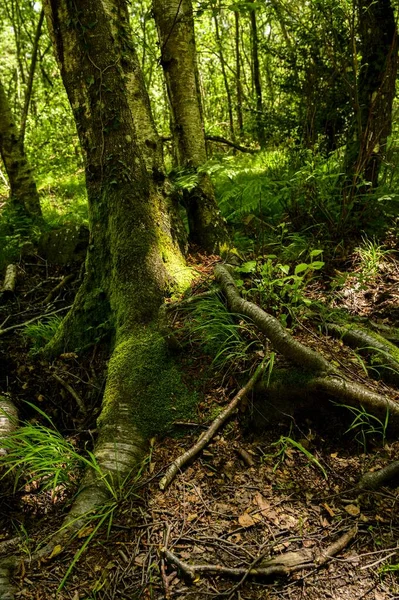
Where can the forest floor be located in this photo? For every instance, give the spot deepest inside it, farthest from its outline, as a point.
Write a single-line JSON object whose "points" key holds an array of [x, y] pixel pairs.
{"points": [[251, 492]]}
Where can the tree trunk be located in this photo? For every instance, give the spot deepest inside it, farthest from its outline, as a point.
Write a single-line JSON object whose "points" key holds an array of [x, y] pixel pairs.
{"points": [[175, 25], [23, 191], [224, 74], [256, 80], [133, 262], [375, 92], [238, 72]]}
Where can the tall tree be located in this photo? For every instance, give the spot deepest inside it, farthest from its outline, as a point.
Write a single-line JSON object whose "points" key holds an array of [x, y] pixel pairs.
{"points": [[133, 261], [374, 91], [256, 78], [23, 192], [174, 20]]}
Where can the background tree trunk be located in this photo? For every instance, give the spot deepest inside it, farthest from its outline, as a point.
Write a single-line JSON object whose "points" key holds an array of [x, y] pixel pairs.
{"points": [[175, 25], [23, 191], [375, 91]]}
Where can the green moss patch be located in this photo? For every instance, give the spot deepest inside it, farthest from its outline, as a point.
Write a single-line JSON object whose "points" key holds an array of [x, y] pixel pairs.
{"points": [[150, 379]]}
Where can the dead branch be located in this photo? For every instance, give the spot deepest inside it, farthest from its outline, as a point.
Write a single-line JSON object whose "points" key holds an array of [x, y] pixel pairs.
{"points": [[376, 479], [280, 565], [54, 292], [206, 437], [222, 140], [10, 280], [53, 312], [70, 389]]}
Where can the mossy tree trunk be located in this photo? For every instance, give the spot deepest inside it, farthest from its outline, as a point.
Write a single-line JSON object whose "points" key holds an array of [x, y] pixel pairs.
{"points": [[133, 261], [175, 25], [373, 94], [23, 192]]}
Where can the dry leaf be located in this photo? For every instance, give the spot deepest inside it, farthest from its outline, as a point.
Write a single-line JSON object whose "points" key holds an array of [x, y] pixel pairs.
{"points": [[352, 510], [245, 520], [262, 503]]}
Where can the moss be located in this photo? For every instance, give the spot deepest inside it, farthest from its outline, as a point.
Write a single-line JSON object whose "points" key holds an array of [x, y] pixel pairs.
{"points": [[144, 374]]}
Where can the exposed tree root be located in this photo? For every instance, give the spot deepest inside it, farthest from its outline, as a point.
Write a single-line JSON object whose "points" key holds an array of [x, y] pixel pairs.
{"points": [[321, 375], [281, 565], [206, 437], [369, 344], [376, 479]]}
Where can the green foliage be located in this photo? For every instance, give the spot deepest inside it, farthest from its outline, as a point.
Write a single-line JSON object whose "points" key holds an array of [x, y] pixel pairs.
{"points": [[40, 454], [284, 443], [16, 231], [225, 338], [366, 426], [41, 332], [275, 287]]}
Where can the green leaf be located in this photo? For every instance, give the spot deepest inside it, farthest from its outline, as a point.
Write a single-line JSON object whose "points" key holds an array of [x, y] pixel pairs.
{"points": [[301, 268]]}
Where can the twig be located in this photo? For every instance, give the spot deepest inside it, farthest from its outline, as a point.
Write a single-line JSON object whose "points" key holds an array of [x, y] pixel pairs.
{"points": [[70, 389], [53, 293], [53, 312], [280, 565], [206, 437]]}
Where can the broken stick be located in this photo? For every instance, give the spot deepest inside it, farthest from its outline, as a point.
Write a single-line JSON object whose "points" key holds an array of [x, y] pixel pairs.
{"points": [[206, 437]]}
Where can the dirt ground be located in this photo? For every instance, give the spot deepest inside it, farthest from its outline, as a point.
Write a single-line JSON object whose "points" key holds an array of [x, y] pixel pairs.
{"points": [[250, 495]]}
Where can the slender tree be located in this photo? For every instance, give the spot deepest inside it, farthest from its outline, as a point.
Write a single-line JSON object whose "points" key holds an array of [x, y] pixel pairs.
{"points": [[174, 20], [257, 78], [23, 192]]}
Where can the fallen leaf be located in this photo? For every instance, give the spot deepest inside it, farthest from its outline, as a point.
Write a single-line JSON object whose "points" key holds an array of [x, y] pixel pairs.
{"points": [[262, 503], [245, 520], [352, 510], [56, 551]]}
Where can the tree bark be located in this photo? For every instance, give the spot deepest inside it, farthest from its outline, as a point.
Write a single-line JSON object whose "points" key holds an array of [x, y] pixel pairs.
{"points": [[175, 25], [375, 91], [224, 74], [23, 192], [256, 79], [238, 72], [132, 261]]}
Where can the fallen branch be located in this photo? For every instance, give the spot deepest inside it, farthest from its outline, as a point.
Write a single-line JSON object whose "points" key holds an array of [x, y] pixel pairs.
{"points": [[206, 437], [53, 293], [221, 140], [70, 389], [8, 420], [280, 565], [10, 280], [20, 325]]}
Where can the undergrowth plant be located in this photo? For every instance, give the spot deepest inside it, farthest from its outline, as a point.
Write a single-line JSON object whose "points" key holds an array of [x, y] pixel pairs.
{"points": [[279, 287], [283, 444], [228, 339], [366, 426], [41, 332]]}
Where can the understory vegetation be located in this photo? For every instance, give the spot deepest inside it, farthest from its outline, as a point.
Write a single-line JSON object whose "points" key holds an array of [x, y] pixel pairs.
{"points": [[199, 300]]}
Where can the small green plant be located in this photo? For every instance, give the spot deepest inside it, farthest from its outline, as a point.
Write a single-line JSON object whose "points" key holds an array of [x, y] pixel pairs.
{"points": [[276, 287], [285, 442], [371, 256], [218, 331], [365, 425], [41, 333]]}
